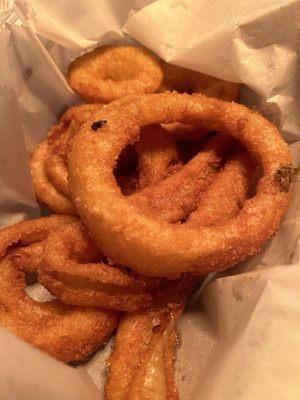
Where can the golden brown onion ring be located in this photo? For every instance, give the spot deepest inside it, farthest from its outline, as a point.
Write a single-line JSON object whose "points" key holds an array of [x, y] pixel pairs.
{"points": [[66, 332], [71, 271], [110, 72], [132, 236]]}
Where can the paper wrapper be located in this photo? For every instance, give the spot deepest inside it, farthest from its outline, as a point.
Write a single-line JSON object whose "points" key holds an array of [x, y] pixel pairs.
{"points": [[240, 337]]}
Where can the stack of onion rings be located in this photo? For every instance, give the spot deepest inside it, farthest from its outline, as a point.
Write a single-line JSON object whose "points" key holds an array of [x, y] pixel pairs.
{"points": [[68, 333], [163, 190]]}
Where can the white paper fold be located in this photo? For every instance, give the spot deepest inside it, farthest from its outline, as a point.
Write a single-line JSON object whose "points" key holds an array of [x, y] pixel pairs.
{"points": [[28, 374], [240, 338]]}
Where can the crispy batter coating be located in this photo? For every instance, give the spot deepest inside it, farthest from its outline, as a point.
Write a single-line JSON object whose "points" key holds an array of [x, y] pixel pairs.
{"points": [[110, 72], [27, 259], [177, 196], [157, 158], [32, 231], [227, 193], [65, 332], [48, 162], [141, 364], [183, 80], [148, 245], [157, 154], [73, 273], [45, 191], [68, 333], [57, 173]]}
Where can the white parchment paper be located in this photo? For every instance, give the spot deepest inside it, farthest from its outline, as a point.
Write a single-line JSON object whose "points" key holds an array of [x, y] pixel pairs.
{"points": [[240, 338]]}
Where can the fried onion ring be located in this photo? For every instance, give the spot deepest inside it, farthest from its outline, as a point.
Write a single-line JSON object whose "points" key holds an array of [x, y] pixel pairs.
{"points": [[110, 72], [66, 332], [71, 271], [146, 244]]}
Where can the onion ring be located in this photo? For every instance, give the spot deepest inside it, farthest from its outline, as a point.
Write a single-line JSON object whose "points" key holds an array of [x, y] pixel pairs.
{"points": [[110, 72], [71, 271], [126, 233], [66, 332], [154, 155]]}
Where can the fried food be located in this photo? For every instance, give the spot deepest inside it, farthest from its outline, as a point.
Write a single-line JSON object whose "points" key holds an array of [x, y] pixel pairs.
{"points": [[141, 364], [177, 196], [164, 190], [157, 155], [57, 173], [110, 72], [157, 159], [225, 197], [32, 231], [183, 80], [48, 161], [133, 237], [45, 191], [73, 273], [68, 333]]}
